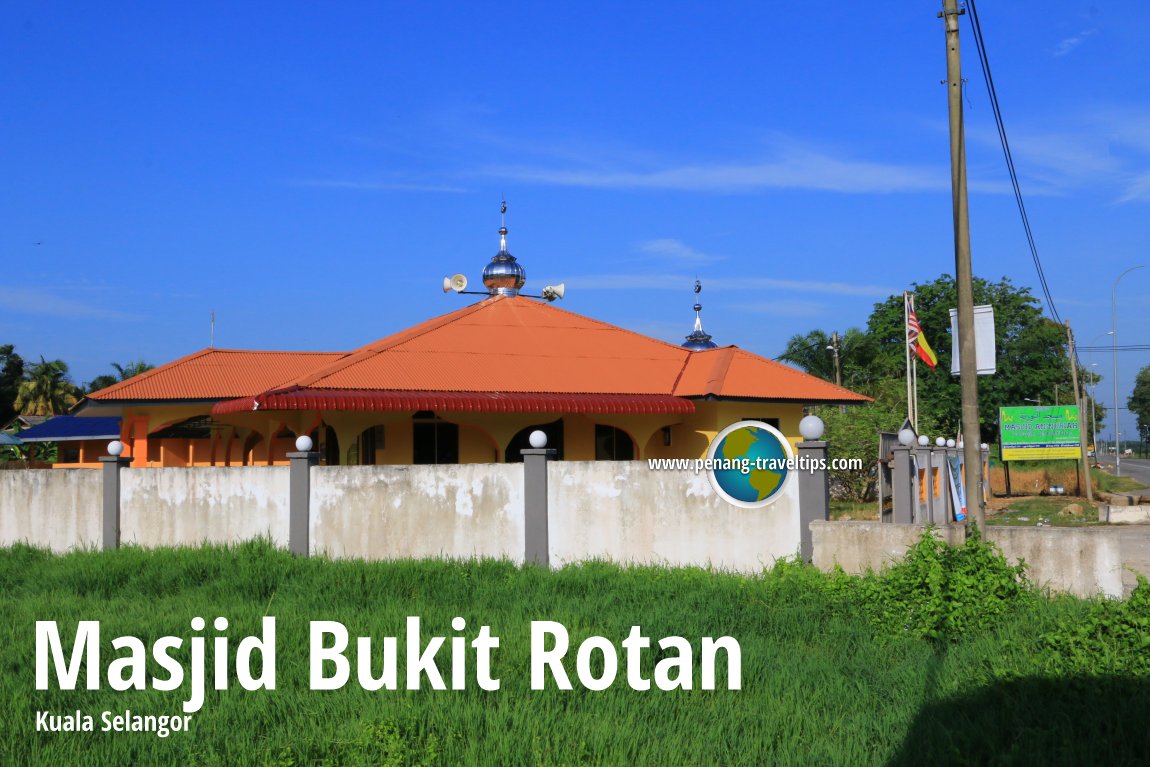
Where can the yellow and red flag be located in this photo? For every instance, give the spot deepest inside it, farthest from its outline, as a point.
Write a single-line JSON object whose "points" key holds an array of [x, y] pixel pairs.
{"points": [[917, 340]]}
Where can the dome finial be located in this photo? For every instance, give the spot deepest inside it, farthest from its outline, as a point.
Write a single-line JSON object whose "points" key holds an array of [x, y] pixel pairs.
{"points": [[699, 339], [503, 276]]}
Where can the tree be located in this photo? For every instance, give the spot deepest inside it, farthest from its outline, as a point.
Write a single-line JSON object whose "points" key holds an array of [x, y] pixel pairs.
{"points": [[1139, 402], [1031, 348], [123, 373], [855, 435], [813, 353], [11, 374], [46, 389]]}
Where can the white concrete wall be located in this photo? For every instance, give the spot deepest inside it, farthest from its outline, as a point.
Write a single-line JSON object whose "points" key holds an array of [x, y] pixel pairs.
{"points": [[627, 513], [1085, 561], [58, 509], [620, 511], [214, 504], [394, 512]]}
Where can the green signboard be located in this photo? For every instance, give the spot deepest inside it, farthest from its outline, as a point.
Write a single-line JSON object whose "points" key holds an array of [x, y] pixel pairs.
{"points": [[1037, 433]]}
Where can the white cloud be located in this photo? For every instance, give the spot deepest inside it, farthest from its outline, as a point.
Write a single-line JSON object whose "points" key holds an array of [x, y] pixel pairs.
{"points": [[783, 308], [44, 303], [1138, 189], [378, 186], [1066, 46], [796, 168], [674, 250], [1103, 149], [733, 284]]}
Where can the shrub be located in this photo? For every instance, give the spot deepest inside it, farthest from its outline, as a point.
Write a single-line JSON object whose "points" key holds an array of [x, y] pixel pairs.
{"points": [[940, 592]]}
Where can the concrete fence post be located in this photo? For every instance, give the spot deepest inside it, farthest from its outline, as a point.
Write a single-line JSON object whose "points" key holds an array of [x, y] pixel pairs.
{"points": [[927, 466], [536, 543], [111, 479], [814, 492], [299, 496], [903, 486], [985, 458]]}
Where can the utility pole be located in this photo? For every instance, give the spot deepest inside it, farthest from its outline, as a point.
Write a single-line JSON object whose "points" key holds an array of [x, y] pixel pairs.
{"points": [[834, 347], [1079, 400], [835, 351], [967, 365]]}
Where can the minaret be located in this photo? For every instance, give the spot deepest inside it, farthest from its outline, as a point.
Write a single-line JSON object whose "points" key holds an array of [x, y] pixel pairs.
{"points": [[503, 276], [699, 339]]}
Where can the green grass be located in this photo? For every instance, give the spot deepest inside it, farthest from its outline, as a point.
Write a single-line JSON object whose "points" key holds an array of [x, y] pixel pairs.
{"points": [[1108, 483], [852, 510], [835, 669], [1046, 510]]}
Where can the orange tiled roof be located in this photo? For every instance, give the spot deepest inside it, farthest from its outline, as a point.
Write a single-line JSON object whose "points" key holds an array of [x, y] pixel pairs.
{"points": [[516, 344], [216, 374], [732, 372], [507, 345]]}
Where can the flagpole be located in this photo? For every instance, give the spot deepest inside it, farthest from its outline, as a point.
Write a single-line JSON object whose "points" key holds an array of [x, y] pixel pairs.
{"points": [[914, 367], [906, 351]]}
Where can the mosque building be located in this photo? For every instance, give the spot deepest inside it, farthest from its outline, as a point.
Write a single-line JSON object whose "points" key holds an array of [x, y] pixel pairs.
{"points": [[443, 391]]}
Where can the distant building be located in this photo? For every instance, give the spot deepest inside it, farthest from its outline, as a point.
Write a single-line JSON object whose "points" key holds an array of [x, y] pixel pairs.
{"points": [[464, 387], [79, 441]]}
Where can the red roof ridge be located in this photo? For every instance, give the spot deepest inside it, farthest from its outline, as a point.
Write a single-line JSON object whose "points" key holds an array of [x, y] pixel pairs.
{"points": [[724, 355]]}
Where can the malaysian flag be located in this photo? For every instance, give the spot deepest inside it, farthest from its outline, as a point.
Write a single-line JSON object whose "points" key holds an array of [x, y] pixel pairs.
{"points": [[917, 340]]}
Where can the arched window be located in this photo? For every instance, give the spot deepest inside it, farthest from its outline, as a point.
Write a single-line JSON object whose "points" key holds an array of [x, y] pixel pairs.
{"points": [[368, 442], [433, 440], [612, 444]]}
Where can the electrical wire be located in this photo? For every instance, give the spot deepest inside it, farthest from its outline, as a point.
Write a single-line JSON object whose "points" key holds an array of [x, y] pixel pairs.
{"points": [[984, 60], [1122, 348]]}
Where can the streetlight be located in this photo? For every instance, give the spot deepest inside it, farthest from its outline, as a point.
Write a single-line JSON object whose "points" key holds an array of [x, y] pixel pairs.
{"points": [[1035, 401], [1114, 352], [1093, 417]]}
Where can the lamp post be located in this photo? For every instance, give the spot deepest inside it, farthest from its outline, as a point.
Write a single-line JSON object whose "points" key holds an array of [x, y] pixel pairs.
{"points": [[1093, 417], [1114, 352]]}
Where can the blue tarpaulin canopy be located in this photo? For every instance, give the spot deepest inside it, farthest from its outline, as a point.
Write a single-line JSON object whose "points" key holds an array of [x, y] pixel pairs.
{"points": [[69, 428]]}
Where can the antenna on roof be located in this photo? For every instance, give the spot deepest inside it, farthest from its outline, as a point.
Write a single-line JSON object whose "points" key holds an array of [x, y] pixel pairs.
{"points": [[212, 342]]}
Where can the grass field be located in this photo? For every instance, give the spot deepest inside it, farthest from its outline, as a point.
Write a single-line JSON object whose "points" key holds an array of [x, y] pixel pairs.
{"points": [[946, 660]]}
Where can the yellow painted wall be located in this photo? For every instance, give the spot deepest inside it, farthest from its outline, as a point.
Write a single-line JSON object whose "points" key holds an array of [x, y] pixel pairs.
{"points": [[475, 446], [483, 437]]}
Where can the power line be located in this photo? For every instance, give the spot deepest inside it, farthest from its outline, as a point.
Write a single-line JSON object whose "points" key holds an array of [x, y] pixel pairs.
{"points": [[983, 59], [1123, 348]]}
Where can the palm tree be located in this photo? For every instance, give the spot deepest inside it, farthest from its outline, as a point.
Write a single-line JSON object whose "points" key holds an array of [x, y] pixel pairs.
{"points": [[123, 373], [46, 389], [813, 354], [132, 369]]}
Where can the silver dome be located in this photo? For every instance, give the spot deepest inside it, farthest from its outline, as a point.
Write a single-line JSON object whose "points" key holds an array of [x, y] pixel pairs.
{"points": [[504, 276]]}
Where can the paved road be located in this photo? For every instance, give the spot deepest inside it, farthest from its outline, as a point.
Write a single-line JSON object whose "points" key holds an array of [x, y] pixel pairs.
{"points": [[1136, 468]]}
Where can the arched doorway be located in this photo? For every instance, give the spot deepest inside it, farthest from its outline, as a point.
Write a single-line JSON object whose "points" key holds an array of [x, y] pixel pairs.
{"points": [[522, 440], [327, 444]]}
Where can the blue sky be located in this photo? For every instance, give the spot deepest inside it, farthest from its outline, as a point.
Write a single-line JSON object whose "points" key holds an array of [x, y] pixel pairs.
{"points": [[310, 172]]}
